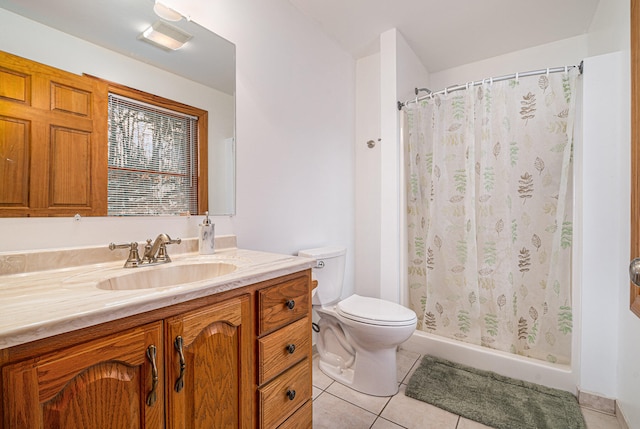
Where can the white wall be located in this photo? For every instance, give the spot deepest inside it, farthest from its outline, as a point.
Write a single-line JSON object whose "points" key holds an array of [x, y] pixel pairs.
{"points": [[367, 176], [601, 191], [295, 133], [609, 32], [295, 127], [556, 54], [609, 29], [390, 248], [401, 71]]}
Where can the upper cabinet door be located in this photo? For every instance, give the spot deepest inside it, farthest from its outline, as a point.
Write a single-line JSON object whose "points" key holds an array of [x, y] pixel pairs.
{"points": [[209, 367], [53, 141], [112, 382]]}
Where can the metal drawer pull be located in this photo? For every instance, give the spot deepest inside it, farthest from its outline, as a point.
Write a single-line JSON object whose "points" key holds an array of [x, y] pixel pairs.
{"points": [[291, 394], [291, 348], [183, 366], [152, 396], [290, 304]]}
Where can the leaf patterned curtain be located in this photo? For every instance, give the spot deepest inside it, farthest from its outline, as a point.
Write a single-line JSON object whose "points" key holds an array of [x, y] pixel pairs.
{"points": [[489, 192]]}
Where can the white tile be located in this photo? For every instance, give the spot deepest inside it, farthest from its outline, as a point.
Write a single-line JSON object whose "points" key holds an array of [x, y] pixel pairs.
{"points": [[316, 392], [405, 362], [381, 423], [330, 412], [374, 404], [598, 420], [412, 413]]}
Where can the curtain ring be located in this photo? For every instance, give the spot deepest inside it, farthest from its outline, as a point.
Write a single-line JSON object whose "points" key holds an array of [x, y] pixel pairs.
{"points": [[517, 77], [547, 71], [566, 69]]}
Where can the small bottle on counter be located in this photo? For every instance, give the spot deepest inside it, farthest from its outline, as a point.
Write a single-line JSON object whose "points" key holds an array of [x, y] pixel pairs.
{"points": [[206, 240]]}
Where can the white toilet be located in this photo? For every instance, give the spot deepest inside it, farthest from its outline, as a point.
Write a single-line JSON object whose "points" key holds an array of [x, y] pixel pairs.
{"points": [[358, 336]]}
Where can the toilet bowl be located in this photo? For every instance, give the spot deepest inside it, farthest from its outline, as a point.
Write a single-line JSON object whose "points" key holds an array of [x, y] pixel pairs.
{"points": [[358, 336]]}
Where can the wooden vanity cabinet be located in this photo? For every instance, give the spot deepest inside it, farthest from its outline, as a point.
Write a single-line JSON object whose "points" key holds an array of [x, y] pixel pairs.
{"points": [[105, 383], [208, 367], [193, 365]]}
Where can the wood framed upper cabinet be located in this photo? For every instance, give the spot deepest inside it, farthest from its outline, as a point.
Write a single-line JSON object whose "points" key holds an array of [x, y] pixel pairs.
{"points": [[635, 147], [53, 141], [209, 367], [111, 382]]}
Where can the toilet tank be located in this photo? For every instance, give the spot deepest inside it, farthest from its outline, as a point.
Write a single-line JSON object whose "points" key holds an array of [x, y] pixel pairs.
{"points": [[329, 272]]}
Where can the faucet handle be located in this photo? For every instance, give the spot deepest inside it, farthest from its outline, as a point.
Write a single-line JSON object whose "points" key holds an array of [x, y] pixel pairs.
{"points": [[163, 256], [147, 257], [133, 260]]}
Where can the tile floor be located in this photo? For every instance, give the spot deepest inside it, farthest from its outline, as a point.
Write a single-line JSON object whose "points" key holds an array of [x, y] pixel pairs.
{"points": [[336, 406]]}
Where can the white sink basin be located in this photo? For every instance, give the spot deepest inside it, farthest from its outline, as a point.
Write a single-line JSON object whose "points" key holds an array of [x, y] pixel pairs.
{"points": [[165, 275]]}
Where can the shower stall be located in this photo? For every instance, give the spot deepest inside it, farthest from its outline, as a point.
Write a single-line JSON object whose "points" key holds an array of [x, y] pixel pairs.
{"points": [[490, 223]]}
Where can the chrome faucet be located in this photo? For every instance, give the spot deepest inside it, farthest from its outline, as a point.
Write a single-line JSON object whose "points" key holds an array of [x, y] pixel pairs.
{"points": [[154, 254]]}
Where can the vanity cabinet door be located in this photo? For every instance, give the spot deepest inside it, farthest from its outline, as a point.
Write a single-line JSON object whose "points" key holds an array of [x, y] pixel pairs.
{"points": [[111, 382], [209, 367]]}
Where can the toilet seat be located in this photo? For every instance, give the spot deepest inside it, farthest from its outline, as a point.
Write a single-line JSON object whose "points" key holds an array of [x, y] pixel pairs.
{"points": [[374, 311]]}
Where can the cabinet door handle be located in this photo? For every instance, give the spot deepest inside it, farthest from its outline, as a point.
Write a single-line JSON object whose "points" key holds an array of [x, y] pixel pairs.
{"points": [[291, 394], [151, 354], [290, 304], [291, 348], [178, 343]]}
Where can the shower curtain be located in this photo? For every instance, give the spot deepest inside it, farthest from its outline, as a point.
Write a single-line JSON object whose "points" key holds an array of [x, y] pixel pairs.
{"points": [[489, 214]]}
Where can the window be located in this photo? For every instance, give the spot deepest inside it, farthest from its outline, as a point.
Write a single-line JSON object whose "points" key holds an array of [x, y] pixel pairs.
{"points": [[153, 157]]}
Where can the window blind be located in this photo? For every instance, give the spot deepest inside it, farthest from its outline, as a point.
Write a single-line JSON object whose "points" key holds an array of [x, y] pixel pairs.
{"points": [[153, 160]]}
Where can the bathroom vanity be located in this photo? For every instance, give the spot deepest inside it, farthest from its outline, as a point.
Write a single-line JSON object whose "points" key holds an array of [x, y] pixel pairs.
{"points": [[80, 349]]}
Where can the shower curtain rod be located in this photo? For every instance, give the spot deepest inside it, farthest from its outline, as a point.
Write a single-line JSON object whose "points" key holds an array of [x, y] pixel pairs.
{"points": [[492, 79]]}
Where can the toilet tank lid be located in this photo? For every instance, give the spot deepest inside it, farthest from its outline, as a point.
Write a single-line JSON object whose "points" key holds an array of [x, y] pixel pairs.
{"points": [[323, 252]]}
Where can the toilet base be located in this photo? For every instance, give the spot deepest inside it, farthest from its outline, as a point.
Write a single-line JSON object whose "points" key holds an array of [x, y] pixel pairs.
{"points": [[371, 373]]}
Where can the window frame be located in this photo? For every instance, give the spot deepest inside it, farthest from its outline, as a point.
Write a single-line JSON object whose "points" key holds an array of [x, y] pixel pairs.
{"points": [[202, 139]]}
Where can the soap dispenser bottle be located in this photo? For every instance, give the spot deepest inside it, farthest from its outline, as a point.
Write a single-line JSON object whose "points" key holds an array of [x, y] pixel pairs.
{"points": [[206, 240]]}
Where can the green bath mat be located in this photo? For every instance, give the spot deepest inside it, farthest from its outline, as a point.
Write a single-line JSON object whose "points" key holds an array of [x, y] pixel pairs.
{"points": [[491, 399]]}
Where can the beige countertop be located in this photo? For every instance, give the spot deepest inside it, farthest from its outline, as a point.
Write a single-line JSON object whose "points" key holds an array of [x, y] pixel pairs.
{"points": [[39, 304]]}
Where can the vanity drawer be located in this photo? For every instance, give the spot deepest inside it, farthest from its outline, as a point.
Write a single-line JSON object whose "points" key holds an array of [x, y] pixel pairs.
{"points": [[281, 349], [301, 419], [284, 395], [283, 303]]}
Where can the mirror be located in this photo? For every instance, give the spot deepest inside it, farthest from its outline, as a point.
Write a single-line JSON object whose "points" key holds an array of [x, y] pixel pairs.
{"points": [[72, 35]]}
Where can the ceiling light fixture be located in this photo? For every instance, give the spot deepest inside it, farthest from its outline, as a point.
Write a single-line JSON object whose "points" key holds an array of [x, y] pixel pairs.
{"points": [[166, 12], [165, 36]]}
